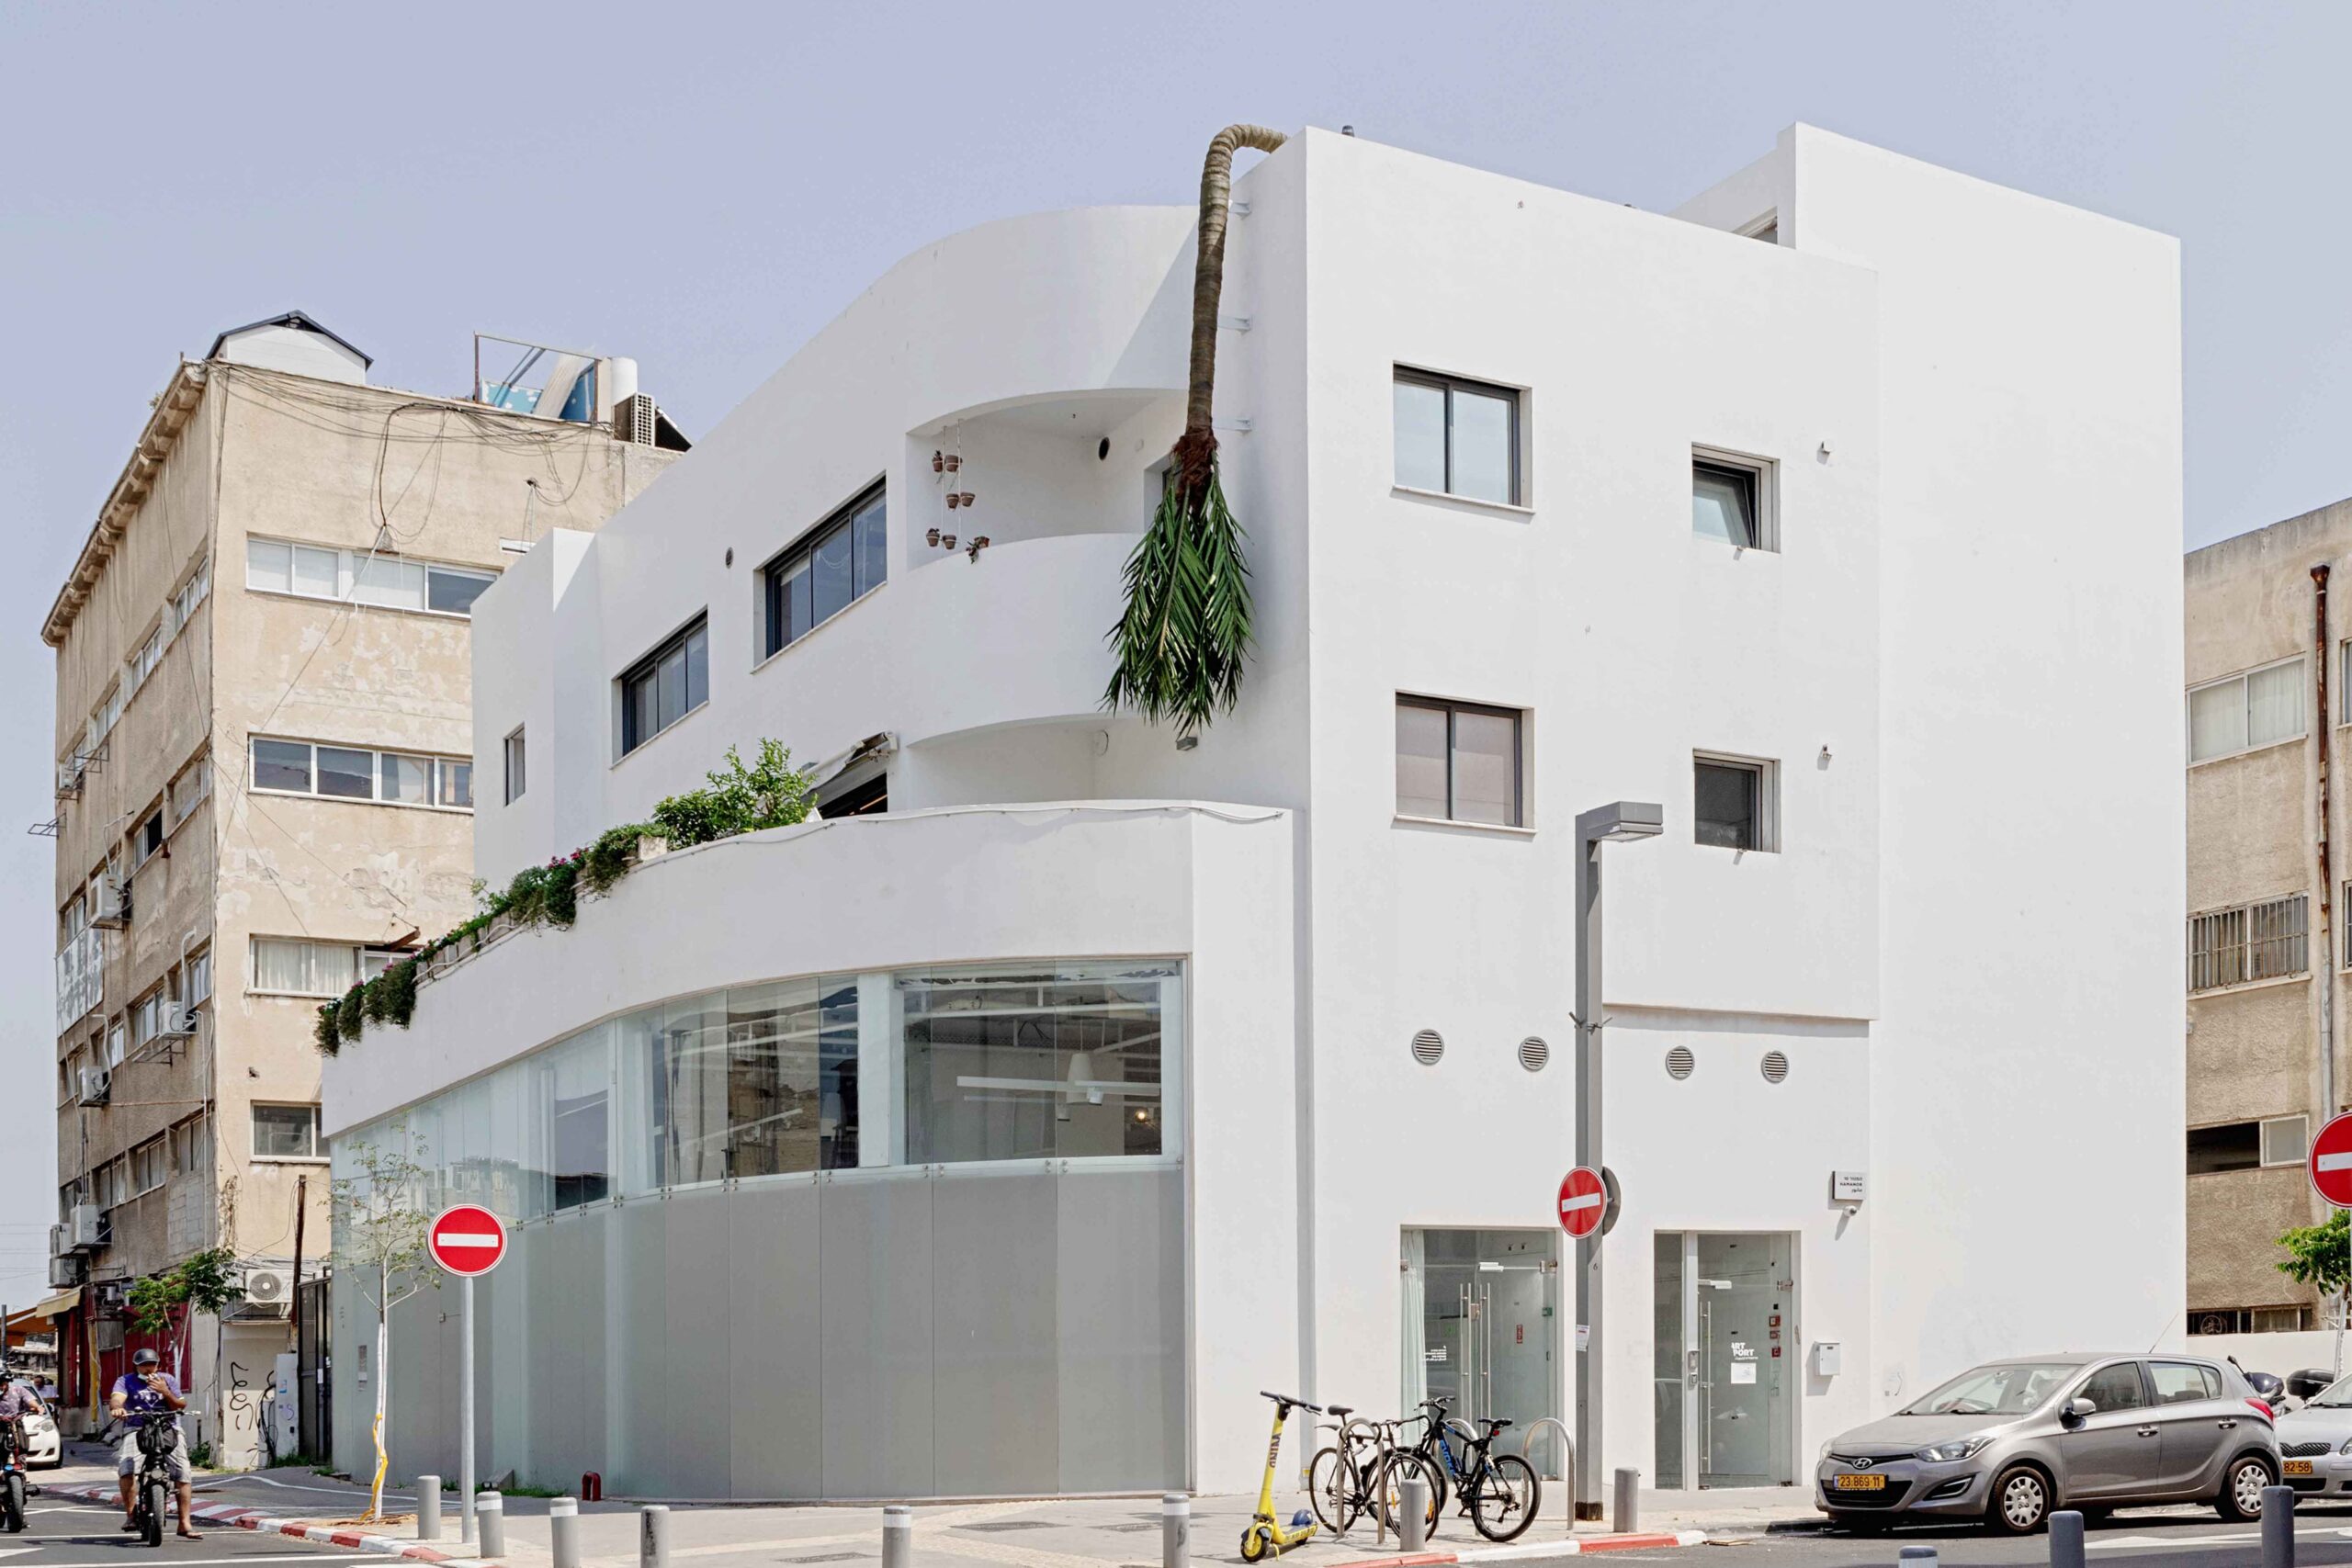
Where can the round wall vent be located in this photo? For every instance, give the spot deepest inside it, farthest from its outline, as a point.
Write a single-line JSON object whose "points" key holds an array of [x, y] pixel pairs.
{"points": [[1533, 1053], [1680, 1063], [1428, 1046], [1776, 1066]]}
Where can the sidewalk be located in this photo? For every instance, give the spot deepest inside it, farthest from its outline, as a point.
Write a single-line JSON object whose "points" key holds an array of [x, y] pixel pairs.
{"points": [[1114, 1533]]}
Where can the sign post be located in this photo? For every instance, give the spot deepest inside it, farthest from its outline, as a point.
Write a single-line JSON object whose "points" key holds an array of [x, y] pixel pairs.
{"points": [[2330, 1163], [466, 1240]]}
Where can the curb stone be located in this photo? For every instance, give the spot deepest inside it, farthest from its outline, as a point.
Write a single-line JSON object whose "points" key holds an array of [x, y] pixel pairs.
{"points": [[255, 1519], [1571, 1546]]}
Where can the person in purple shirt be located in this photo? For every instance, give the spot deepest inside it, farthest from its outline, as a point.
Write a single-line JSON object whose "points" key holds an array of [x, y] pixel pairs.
{"points": [[145, 1393]]}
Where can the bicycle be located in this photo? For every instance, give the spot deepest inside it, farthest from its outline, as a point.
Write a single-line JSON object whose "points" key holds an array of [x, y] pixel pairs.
{"points": [[1502, 1491], [1444, 1468], [1261, 1537], [1364, 1471], [152, 1492]]}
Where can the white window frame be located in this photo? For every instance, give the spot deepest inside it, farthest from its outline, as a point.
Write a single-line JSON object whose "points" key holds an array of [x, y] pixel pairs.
{"points": [[2301, 1125], [1764, 475], [1768, 799], [439, 772], [349, 564], [515, 750], [2243, 679], [198, 990], [366, 962], [2234, 927], [253, 1121]]}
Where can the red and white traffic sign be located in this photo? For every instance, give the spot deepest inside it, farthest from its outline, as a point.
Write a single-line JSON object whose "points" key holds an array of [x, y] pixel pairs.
{"points": [[466, 1239], [1584, 1201], [2331, 1161]]}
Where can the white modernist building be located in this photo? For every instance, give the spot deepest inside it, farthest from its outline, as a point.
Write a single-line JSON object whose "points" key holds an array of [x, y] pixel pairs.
{"points": [[1008, 1129]]}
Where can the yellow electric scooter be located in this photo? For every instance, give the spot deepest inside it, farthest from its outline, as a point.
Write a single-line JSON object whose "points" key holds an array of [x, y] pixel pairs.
{"points": [[1261, 1537]]}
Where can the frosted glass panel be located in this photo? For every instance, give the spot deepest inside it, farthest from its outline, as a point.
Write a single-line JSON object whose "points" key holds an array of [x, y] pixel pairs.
{"points": [[1421, 436], [2274, 704], [1420, 761], [2217, 720]]}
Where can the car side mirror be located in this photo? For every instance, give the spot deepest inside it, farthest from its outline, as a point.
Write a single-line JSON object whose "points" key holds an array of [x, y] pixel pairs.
{"points": [[2078, 1407]]}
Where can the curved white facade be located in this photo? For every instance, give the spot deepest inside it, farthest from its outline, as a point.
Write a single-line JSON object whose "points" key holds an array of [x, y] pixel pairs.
{"points": [[1963, 406]]}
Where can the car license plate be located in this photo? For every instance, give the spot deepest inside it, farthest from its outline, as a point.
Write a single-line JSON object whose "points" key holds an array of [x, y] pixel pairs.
{"points": [[1859, 1482], [2299, 1467]]}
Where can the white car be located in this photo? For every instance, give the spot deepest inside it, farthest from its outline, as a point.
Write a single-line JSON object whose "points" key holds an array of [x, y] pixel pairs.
{"points": [[44, 1449], [2315, 1442]]}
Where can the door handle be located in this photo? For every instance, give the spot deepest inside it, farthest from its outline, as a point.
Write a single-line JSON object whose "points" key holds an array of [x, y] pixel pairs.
{"points": [[2147, 1431], [2227, 1425]]}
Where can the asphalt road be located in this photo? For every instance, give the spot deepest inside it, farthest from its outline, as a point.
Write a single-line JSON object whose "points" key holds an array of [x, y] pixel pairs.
{"points": [[2155, 1539], [60, 1533]]}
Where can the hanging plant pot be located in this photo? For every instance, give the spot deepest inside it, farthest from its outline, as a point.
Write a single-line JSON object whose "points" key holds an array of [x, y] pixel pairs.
{"points": [[954, 501], [967, 500], [936, 463], [955, 461], [947, 540], [934, 538]]}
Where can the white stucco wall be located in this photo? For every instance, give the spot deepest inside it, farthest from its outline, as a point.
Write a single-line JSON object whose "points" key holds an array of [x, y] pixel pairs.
{"points": [[1963, 656]]}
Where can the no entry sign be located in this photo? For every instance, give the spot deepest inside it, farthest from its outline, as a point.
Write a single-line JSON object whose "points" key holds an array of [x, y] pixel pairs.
{"points": [[2331, 1161], [466, 1239], [1584, 1200]]}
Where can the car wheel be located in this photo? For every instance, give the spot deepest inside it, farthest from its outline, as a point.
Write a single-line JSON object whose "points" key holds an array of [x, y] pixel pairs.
{"points": [[2242, 1485], [2020, 1501]]}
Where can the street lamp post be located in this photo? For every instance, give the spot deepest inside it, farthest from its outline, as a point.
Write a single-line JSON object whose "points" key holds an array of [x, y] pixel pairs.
{"points": [[1623, 820]]}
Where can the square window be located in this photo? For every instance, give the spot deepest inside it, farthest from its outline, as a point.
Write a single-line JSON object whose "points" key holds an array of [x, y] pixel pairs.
{"points": [[286, 1132], [391, 583], [453, 593], [269, 566], [317, 572], [348, 773], [1724, 504], [1732, 803], [282, 765], [1457, 437], [407, 781], [1459, 762], [2284, 1140]]}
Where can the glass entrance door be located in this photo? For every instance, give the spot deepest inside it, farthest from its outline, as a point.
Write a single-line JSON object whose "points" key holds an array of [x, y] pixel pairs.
{"points": [[1725, 1351], [1480, 1316]]}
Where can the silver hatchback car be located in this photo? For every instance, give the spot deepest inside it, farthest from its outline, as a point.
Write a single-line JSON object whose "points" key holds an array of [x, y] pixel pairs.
{"points": [[2009, 1441]]}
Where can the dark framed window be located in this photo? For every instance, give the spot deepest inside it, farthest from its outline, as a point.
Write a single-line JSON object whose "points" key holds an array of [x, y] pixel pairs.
{"points": [[1729, 804], [514, 760], [860, 799], [1456, 435], [838, 563], [1725, 503], [665, 686], [1459, 763]]}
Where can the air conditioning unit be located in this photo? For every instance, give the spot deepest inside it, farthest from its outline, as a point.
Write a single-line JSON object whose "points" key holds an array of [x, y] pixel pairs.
{"points": [[89, 1228], [114, 904], [97, 1083], [70, 773], [179, 1023], [269, 1292], [65, 1272], [633, 419]]}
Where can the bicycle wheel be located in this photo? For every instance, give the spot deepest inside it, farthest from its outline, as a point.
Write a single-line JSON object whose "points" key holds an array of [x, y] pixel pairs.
{"points": [[14, 1505], [1389, 1495], [1504, 1495], [1333, 1486], [159, 1503]]}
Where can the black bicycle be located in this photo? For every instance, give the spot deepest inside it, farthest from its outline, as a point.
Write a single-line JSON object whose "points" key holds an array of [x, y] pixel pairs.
{"points": [[1447, 1468], [1502, 1489], [151, 1495]]}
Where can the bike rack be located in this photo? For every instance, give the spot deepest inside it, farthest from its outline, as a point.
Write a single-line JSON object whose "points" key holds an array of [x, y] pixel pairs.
{"points": [[1568, 1466]]}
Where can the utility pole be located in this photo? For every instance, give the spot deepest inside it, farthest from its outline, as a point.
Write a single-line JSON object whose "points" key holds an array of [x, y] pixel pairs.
{"points": [[1623, 820], [301, 1206]]}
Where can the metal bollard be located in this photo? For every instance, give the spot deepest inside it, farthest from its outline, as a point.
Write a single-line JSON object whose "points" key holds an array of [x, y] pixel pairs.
{"points": [[2066, 1538], [2278, 1527], [1626, 1503], [490, 1524], [654, 1535], [1175, 1531], [1412, 1513], [429, 1508], [897, 1536], [1916, 1557], [563, 1531]]}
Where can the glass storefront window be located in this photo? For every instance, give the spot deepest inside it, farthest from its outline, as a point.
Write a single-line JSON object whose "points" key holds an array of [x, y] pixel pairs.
{"points": [[1048, 1059], [1033, 1061]]}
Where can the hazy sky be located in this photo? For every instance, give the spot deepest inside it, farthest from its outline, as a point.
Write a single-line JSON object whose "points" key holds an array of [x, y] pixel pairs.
{"points": [[701, 187]]}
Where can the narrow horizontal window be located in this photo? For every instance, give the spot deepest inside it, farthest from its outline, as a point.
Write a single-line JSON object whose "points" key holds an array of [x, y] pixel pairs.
{"points": [[352, 773], [665, 686], [363, 577], [2259, 708], [2245, 943], [837, 563]]}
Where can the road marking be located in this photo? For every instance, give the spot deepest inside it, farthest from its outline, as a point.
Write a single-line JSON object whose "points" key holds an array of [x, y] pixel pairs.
{"points": [[116, 1561]]}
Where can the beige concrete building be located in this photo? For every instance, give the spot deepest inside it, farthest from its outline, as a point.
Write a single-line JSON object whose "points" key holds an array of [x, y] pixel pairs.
{"points": [[2267, 651], [263, 756]]}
